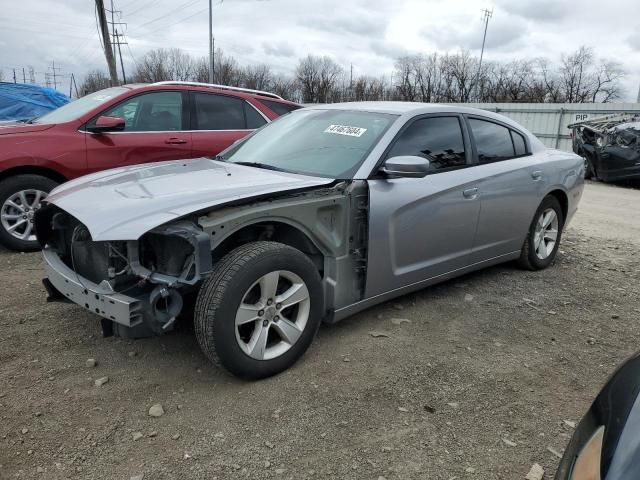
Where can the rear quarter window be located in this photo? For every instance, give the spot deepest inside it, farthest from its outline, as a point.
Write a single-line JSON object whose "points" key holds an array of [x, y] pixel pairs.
{"points": [[279, 108], [493, 141], [519, 143]]}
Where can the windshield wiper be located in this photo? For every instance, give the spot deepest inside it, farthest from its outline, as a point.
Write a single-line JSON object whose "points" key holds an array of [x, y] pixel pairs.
{"points": [[261, 165]]}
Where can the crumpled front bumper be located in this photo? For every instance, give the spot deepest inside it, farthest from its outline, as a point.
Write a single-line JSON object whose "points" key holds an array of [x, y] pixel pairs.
{"points": [[117, 307]]}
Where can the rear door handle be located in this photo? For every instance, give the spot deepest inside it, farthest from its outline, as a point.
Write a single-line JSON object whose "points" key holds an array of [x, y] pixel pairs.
{"points": [[470, 192], [175, 141], [536, 175]]}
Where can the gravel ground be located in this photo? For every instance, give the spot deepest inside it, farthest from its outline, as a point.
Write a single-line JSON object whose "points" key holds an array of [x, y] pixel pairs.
{"points": [[474, 379]]}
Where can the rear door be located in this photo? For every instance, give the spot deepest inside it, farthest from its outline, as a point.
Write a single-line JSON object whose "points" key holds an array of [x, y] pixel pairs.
{"points": [[511, 187], [421, 228], [220, 120], [156, 129]]}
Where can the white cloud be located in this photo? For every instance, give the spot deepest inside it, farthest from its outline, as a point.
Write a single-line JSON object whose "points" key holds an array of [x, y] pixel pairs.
{"points": [[367, 33]]}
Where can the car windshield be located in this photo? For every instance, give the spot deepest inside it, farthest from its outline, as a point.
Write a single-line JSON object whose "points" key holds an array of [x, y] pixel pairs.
{"points": [[325, 143], [79, 107]]}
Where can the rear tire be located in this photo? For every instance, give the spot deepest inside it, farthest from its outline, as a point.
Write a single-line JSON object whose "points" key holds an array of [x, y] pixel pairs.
{"points": [[543, 239], [20, 197], [259, 310]]}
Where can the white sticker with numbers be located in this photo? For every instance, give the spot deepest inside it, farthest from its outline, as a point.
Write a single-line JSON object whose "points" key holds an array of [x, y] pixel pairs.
{"points": [[345, 130]]}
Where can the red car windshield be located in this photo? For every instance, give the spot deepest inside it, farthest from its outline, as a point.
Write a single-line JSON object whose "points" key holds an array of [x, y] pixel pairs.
{"points": [[79, 107]]}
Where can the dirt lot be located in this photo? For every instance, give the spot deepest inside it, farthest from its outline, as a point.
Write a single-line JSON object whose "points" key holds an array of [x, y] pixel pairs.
{"points": [[476, 385]]}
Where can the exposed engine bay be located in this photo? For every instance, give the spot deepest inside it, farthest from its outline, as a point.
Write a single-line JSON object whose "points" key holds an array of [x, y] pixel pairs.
{"points": [[139, 286], [610, 146]]}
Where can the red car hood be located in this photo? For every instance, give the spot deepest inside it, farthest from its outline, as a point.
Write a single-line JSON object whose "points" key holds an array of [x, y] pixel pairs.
{"points": [[21, 127]]}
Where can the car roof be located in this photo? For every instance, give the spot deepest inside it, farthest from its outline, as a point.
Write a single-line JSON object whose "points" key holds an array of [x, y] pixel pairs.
{"points": [[410, 109], [223, 90]]}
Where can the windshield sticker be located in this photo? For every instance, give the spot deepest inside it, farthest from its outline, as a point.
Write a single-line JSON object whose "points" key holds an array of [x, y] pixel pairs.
{"points": [[345, 130]]}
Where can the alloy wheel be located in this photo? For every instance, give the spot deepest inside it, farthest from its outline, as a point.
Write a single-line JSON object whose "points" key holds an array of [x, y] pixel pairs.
{"points": [[272, 315], [17, 213], [546, 233]]}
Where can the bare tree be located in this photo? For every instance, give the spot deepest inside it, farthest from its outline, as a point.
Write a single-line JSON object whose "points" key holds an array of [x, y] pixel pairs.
{"points": [[165, 64], [286, 87], [422, 77], [605, 81], [367, 88], [573, 75], [308, 75], [226, 70], [318, 78], [1, 75], [258, 77], [94, 81]]}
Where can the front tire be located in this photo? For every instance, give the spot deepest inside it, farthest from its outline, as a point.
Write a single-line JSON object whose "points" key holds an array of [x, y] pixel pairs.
{"points": [[259, 310], [589, 170], [543, 239], [20, 197]]}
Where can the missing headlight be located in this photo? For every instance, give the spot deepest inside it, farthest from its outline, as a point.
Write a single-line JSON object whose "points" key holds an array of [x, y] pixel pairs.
{"points": [[167, 254]]}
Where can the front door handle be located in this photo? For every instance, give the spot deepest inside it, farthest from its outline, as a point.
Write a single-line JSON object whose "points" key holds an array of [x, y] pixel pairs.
{"points": [[470, 192], [175, 141], [536, 175]]}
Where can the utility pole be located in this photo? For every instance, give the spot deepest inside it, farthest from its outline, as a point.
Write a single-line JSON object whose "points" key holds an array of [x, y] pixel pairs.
{"points": [[54, 73], [486, 15], [24, 76], [106, 42], [210, 41], [14, 76], [638, 99], [118, 43], [115, 36]]}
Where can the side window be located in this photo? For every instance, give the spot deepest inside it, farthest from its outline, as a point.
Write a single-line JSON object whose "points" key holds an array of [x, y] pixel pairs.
{"points": [[218, 112], [493, 141], [150, 112], [518, 143], [254, 119], [438, 139]]}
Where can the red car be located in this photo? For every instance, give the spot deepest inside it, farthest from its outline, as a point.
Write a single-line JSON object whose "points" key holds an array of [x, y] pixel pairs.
{"points": [[115, 127]]}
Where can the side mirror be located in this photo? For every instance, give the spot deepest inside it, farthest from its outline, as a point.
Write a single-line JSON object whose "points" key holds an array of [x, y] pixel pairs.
{"points": [[408, 166], [106, 124]]}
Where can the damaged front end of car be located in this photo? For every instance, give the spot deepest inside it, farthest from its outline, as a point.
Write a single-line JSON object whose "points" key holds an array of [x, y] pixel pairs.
{"points": [[610, 146], [136, 286]]}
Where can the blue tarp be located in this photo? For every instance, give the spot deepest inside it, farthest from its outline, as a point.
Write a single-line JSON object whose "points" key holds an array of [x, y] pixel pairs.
{"points": [[21, 101]]}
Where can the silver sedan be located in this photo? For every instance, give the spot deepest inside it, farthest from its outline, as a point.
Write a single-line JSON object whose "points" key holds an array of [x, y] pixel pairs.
{"points": [[318, 215]]}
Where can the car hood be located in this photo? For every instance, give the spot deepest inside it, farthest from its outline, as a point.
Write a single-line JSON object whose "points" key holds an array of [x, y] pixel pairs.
{"points": [[124, 203], [21, 127]]}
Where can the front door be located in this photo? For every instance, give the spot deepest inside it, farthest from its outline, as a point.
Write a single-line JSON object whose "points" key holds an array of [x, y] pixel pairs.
{"points": [[421, 228], [155, 125]]}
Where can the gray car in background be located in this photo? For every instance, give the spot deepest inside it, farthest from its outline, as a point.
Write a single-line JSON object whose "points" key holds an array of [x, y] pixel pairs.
{"points": [[325, 212]]}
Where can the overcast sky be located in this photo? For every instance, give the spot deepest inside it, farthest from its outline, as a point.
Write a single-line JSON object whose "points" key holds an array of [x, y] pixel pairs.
{"points": [[367, 33]]}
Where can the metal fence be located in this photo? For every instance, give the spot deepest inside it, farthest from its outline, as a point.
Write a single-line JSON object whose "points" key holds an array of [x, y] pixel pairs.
{"points": [[548, 121]]}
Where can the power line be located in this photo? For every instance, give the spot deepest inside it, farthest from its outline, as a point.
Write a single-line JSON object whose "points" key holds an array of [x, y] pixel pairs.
{"points": [[176, 9]]}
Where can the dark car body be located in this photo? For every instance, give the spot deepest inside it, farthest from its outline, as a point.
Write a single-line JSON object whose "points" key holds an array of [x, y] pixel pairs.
{"points": [[610, 147], [616, 410]]}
